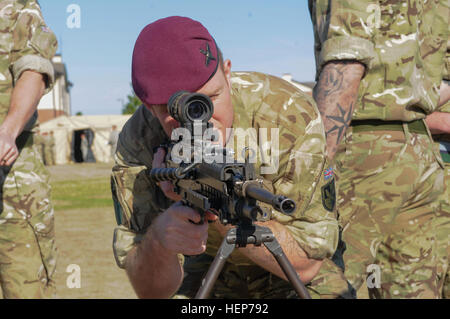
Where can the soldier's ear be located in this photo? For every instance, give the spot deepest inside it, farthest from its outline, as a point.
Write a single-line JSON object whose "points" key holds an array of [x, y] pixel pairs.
{"points": [[227, 70], [227, 67]]}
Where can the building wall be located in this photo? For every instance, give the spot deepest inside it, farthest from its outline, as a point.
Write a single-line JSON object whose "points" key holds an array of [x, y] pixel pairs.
{"points": [[45, 115], [57, 101]]}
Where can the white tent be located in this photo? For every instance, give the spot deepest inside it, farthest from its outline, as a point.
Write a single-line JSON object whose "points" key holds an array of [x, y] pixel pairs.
{"points": [[66, 128]]}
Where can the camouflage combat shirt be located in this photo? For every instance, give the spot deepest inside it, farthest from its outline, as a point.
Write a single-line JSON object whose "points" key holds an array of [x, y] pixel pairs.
{"points": [[444, 139], [446, 75], [26, 43], [401, 43], [259, 101]]}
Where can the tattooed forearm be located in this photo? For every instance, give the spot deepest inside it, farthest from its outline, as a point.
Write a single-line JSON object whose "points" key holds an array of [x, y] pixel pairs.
{"points": [[341, 121], [336, 94], [332, 81]]}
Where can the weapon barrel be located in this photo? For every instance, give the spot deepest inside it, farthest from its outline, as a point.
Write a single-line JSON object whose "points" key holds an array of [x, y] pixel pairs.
{"points": [[278, 202]]}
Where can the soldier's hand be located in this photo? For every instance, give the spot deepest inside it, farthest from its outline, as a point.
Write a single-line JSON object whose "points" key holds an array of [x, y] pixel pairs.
{"points": [[166, 186], [8, 149], [175, 232], [222, 229]]}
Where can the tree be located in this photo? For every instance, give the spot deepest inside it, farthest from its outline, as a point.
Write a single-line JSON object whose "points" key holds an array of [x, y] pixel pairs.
{"points": [[132, 104]]}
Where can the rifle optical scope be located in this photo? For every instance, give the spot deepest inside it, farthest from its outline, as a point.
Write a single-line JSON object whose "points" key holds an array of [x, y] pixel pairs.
{"points": [[186, 107]]}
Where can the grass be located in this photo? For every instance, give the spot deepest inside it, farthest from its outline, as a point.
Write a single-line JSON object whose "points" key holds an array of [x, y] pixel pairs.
{"points": [[87, 193], [84, 227]]}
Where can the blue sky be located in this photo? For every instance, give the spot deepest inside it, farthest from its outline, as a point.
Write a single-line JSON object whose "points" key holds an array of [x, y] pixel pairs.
{"points": [[269, 36]]}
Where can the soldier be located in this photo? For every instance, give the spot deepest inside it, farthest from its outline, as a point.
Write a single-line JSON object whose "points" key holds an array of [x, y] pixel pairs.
{"points": [[439, 124], [379, 68], [112, 141], [27, 249], [49, 147], [160, 249], [84, 146]]}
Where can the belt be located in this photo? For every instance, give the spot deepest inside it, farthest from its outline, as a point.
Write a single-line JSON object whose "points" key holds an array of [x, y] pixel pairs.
{"points": [[417, 126]]}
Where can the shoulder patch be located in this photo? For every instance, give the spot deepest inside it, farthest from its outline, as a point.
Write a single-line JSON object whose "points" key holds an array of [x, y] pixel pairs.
{"points": [[329, 196], [117, 208]]}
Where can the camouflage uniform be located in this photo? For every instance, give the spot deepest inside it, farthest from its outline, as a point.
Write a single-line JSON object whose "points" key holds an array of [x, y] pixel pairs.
{"points": [[27, 250], [443, 219], [259, 101], [443, 233], [49, 147], [112, 142], [390, 173]]}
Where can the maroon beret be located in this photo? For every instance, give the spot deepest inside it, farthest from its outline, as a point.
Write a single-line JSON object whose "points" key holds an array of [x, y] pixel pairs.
{"points": [[172, 54]]}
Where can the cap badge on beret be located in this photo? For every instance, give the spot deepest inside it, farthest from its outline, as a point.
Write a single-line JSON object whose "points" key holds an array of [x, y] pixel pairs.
{"points": [[208, 54], [172, 54]]}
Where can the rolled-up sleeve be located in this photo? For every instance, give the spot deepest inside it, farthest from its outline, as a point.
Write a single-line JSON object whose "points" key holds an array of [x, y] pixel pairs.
{"points": [[344, 30], [125, 238], [137, 201], [314, 225], [34, 44], [37, 64], [134, 204], [301, 177]]}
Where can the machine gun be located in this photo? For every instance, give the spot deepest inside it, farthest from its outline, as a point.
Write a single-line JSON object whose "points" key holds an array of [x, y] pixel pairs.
{"points": [[220, 184]]}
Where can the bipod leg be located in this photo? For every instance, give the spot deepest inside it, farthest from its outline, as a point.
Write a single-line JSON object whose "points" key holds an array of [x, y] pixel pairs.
{"points": [[274, 247], [225, 250], [242, 236]]}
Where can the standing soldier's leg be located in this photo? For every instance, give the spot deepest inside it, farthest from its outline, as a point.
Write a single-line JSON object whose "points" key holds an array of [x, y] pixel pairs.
{"points": [[443, 237], [27, 247], [385, 212]]}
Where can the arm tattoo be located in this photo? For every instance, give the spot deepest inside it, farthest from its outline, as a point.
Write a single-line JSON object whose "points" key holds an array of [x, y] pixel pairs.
{"points": [[336, 94], [341, 122], [333, 81]]}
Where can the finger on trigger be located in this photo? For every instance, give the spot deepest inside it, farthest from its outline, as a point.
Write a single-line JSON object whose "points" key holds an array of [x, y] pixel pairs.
{"points": [[192, 215], [158, 158], [210, 216]]}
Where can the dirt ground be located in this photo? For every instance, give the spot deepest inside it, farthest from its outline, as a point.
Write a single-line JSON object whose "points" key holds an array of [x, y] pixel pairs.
{"points": [[84, 238]]}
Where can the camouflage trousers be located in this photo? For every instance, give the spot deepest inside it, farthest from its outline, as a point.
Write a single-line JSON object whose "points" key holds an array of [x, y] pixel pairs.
{"points": [[442, 224], [389, 186], [254, 282], [27, 247]]}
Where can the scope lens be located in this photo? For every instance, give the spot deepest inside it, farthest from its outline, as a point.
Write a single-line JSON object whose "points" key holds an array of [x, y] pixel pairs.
{"points": [[187, 107], [196, 110]]}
